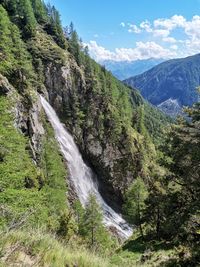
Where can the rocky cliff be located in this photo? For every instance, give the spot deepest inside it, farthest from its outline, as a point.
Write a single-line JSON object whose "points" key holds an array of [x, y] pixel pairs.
{"points": [[112, 124]]}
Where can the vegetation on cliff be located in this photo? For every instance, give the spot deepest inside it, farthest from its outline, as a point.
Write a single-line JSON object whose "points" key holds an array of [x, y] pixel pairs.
{"points": [[156, 178]]}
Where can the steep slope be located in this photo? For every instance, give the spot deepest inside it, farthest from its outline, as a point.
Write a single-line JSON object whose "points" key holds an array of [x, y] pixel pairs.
{"points": [[112, 125], [124, 69], [174, 79]]}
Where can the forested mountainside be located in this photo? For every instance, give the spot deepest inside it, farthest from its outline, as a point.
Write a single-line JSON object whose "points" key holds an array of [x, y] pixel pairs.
{"points": [[125, 69], [119, 134], [171, 84]]}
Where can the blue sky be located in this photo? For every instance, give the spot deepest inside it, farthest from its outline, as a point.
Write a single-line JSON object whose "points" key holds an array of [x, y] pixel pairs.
{"points": [[135, 29]]}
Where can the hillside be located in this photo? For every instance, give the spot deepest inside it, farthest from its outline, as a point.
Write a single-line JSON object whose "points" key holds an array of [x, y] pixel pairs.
{"points": [[84, 159], [124, 69], [175, 79]]}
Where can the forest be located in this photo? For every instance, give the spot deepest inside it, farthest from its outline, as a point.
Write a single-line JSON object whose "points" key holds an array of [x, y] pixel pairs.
{"points": [[148, 164]]}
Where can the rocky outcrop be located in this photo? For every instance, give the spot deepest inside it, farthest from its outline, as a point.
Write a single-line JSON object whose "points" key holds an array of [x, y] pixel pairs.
{"points": [[26, 118], [115, 163]]}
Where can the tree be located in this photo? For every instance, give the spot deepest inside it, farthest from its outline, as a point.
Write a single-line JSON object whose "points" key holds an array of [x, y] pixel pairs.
{"points": [[93, 219], [54, 27], [79, 216], [22, 68], [74, 47], [40, 11], [134, 206], [6, 56], [27, 21], [184, 139], [67, 226]]}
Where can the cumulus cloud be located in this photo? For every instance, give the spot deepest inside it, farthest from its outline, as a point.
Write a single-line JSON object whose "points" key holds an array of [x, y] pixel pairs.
{"points": [[192, 28], [164, 29], [171, 23], [161, 33], [99, 52], [134, 28], [169, 40], [146, 25], [143, 50]]}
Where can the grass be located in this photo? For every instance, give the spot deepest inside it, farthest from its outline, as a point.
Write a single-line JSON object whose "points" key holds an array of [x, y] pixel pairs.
{"points": [[33, 248]]}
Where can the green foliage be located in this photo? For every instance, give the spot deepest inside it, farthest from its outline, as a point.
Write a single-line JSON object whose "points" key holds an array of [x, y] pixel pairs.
{"points": [[14, 169], [16, 62], [54, 26], [19, 177], [135, 203], [41, 249], [26, 18], [40, 11], [91, 228], [6, 56], [67, 226], [55, 185], [74, 46], [40, 194]]}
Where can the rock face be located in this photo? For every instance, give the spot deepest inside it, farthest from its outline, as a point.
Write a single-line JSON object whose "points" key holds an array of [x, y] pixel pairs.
{"points": [[26, 118], [171, 107], [115, 163]]}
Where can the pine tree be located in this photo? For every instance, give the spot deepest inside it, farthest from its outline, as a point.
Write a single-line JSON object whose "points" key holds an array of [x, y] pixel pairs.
{"points": [[22, 69], [6, 56], [79, 216], [93, 220], [54, 27], [134, 206], [40, 11], [74, 47], [26, 18]]}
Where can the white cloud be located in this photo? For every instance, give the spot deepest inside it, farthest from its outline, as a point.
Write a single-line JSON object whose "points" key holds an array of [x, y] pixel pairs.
{"points": [[161, 30], [171, 23], [165, 29], [134, 28], [161, 33], [174, 47], [192, 28], [99, 52], [96, 35], [141, 51], [169, 40], [146, 25]]}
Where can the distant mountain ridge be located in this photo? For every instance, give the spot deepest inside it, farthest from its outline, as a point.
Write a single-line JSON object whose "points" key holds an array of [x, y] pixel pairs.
{"points": [[175, 79], [125, 69]]}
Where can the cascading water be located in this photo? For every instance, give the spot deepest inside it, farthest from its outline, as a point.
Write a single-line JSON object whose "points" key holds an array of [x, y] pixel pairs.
{"points": [[81, 175]]}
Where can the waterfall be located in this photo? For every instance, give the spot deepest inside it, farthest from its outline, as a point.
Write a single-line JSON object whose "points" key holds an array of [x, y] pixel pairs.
{"points": [[81, 175]]}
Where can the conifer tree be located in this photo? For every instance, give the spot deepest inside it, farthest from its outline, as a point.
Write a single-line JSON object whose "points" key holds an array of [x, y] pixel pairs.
{"points": [[27, 21], [6, 56], [92, 220], [135, 203], [40, 11]]}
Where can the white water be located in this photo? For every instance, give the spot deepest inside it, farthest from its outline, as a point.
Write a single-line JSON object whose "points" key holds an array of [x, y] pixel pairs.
{"points": [[81, 175]]}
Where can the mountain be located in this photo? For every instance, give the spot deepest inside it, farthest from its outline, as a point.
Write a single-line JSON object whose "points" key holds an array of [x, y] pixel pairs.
{"points": [[125, 69], [84, 159], [113, 127], [174, 80]]}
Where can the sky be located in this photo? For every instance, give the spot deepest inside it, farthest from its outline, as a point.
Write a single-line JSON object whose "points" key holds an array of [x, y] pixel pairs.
{"points": [[127, 30]]}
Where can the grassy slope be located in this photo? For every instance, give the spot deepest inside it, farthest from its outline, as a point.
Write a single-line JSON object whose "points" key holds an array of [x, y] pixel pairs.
{"points": [[34, 248], [25, 188]]}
